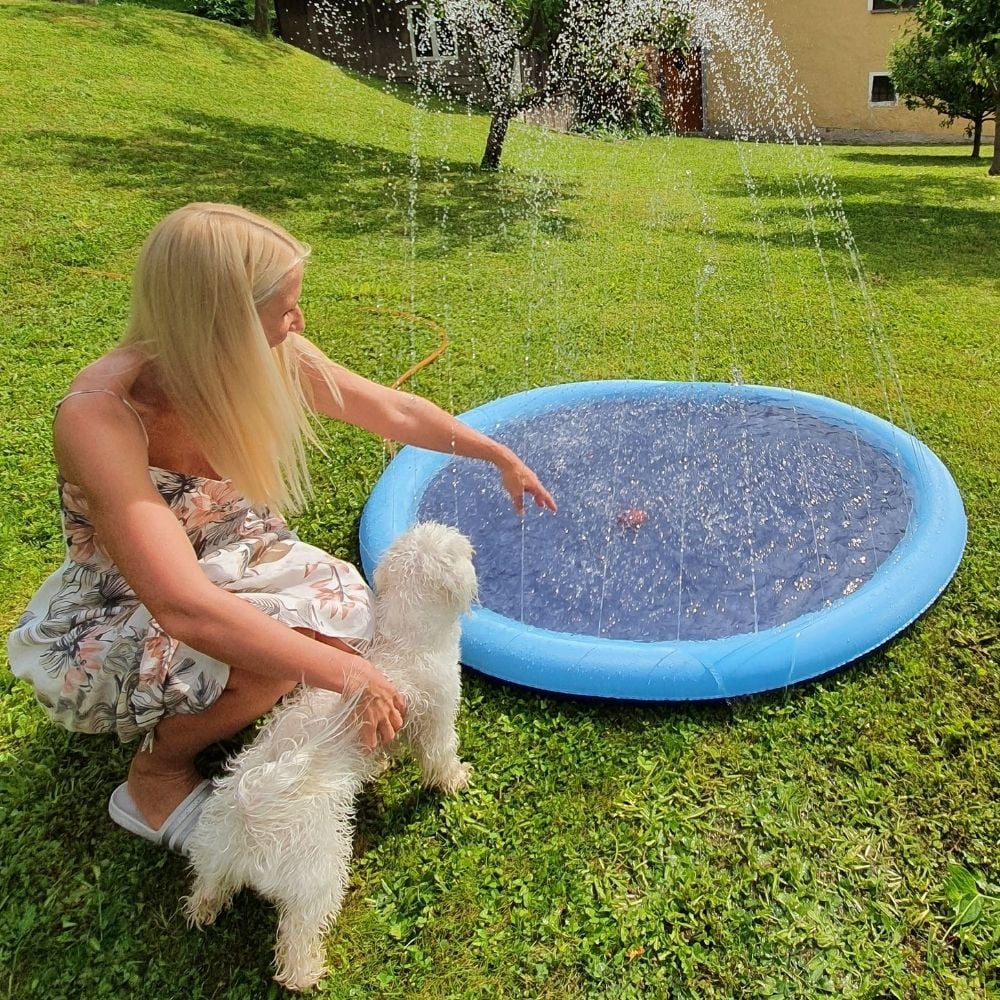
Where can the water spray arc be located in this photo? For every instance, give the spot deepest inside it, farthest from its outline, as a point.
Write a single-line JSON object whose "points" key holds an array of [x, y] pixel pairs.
{"points": [[746, 534]]}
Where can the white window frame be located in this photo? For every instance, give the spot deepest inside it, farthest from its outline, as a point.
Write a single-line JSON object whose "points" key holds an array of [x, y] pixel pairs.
{"points": [[881, 104], [897, 10], [435, 55], [516, 73]]}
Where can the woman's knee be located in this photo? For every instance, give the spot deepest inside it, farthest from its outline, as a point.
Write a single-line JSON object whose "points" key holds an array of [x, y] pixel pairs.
{"points": [[247, 683]]}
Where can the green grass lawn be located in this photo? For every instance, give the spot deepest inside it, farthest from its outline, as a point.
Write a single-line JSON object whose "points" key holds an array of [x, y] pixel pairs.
{"points": [[836, 839]]}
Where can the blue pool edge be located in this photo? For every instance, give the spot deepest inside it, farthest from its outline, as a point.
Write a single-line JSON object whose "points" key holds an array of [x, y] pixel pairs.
{"points": [[908, 583]]}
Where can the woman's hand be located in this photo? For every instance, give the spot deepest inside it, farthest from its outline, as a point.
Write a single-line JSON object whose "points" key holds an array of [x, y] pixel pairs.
{"points": [[380, 707], [518, 479]]}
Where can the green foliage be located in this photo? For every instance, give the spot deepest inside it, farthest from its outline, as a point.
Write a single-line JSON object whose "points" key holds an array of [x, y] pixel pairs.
{"points": [[944, 82], [967, 31], [970, 27], [974, 903], [672, 32], [649, 117], [798, 844], [624, 108], [540, 21], [235, 12]]}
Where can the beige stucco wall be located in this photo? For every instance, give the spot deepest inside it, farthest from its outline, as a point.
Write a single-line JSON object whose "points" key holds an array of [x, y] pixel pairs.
{"points": [[833, 46]]}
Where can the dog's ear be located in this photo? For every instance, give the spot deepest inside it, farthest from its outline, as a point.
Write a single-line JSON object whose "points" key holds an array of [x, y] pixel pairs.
{"points": [[380, 578], [461, 589], [403, 568], [394, 570]]}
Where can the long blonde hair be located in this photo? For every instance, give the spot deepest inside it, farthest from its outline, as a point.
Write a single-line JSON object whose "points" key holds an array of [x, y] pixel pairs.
{"points": [[201, 276]]}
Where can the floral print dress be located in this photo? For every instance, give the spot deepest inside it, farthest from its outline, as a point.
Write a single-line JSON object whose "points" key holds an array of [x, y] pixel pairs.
{"points": [[100, 663]]}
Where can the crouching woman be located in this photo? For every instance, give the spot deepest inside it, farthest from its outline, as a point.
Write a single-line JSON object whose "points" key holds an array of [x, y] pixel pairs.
{"points": [[185, 607]]}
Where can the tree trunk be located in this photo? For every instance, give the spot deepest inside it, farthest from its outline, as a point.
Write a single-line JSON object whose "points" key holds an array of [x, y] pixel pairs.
{"points": [[977, 136], [495, 140], [995, 165], [262, 18]]}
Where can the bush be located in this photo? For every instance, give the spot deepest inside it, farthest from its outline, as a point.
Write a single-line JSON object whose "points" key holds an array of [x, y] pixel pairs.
{"points": [[649, 117], [228, 11], [623, 105]]}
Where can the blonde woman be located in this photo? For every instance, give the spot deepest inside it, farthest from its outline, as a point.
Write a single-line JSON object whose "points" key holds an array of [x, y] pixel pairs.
{"points": [[186, 608]]}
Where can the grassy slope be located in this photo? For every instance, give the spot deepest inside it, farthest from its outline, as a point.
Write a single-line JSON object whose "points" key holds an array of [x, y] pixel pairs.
{"points": [[793, 844]]}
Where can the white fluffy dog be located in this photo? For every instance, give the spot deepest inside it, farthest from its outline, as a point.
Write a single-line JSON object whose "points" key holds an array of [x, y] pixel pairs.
{"points": [[282, 818]]}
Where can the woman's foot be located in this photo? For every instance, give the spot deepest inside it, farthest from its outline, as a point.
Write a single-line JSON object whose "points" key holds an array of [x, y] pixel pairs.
{"points": [[157, 794]]}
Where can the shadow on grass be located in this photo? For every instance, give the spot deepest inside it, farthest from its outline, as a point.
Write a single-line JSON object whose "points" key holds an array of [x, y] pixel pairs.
{"points": [[376, 819], [907, 228], [179, 6], [428, 97], [357, 189], [635, 717], [889, 158], [93, 911], [90, 908]]}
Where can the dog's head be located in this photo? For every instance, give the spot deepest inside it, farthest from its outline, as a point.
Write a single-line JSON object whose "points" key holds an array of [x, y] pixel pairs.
{"points": [[430, 562]]}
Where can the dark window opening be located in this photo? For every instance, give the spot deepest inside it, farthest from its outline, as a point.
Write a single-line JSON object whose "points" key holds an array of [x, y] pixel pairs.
{"points": [[883, 91], [880, 5], [447, 44]]}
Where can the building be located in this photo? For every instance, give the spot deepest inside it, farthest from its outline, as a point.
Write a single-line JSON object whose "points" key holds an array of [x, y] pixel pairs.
{"points": [[836, 51], [397, 40]]}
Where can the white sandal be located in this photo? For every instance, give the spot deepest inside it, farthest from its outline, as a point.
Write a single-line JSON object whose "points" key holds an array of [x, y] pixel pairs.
{"points": [[175, 829]]}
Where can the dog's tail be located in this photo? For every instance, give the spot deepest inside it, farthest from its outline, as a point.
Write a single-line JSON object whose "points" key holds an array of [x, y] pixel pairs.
{"points": [[310, 747]]}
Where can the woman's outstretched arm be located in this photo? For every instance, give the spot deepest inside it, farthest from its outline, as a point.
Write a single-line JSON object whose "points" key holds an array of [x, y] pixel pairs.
{"points": [[410, 419]]}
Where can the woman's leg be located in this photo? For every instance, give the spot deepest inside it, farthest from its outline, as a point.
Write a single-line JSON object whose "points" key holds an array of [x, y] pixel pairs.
{"points": [[160, 779]]}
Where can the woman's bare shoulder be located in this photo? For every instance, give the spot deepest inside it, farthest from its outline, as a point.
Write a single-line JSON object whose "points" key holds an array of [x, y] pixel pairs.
{"points": [[117, 372], [97, 415]]}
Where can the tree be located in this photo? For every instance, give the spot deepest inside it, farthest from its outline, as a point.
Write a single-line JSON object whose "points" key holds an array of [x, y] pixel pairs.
{"points": [[262, 18], [500, 31], [944, 83], [534, 52], [972, 28]]}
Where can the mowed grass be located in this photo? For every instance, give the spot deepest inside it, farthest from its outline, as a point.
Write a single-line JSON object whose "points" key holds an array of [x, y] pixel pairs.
{"points": [[838, 838]]}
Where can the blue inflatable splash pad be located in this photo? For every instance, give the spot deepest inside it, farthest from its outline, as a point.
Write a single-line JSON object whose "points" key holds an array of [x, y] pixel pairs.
{"points": [[712, 540]]}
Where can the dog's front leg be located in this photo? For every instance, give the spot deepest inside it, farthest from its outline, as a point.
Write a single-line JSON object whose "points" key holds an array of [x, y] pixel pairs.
{"points": [[434, 742]]}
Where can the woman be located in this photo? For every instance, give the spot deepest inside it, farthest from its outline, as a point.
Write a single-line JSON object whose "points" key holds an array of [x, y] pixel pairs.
{"points": [[186, 608]]}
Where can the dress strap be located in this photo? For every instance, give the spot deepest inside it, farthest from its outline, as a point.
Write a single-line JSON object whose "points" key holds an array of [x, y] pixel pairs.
{"points": [[86, 392]]}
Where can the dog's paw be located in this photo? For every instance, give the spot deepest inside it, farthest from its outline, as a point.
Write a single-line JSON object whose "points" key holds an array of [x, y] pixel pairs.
{"points": [[298, 980], [378, 765], [299, 969], [454, 779], [201, 910]]}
